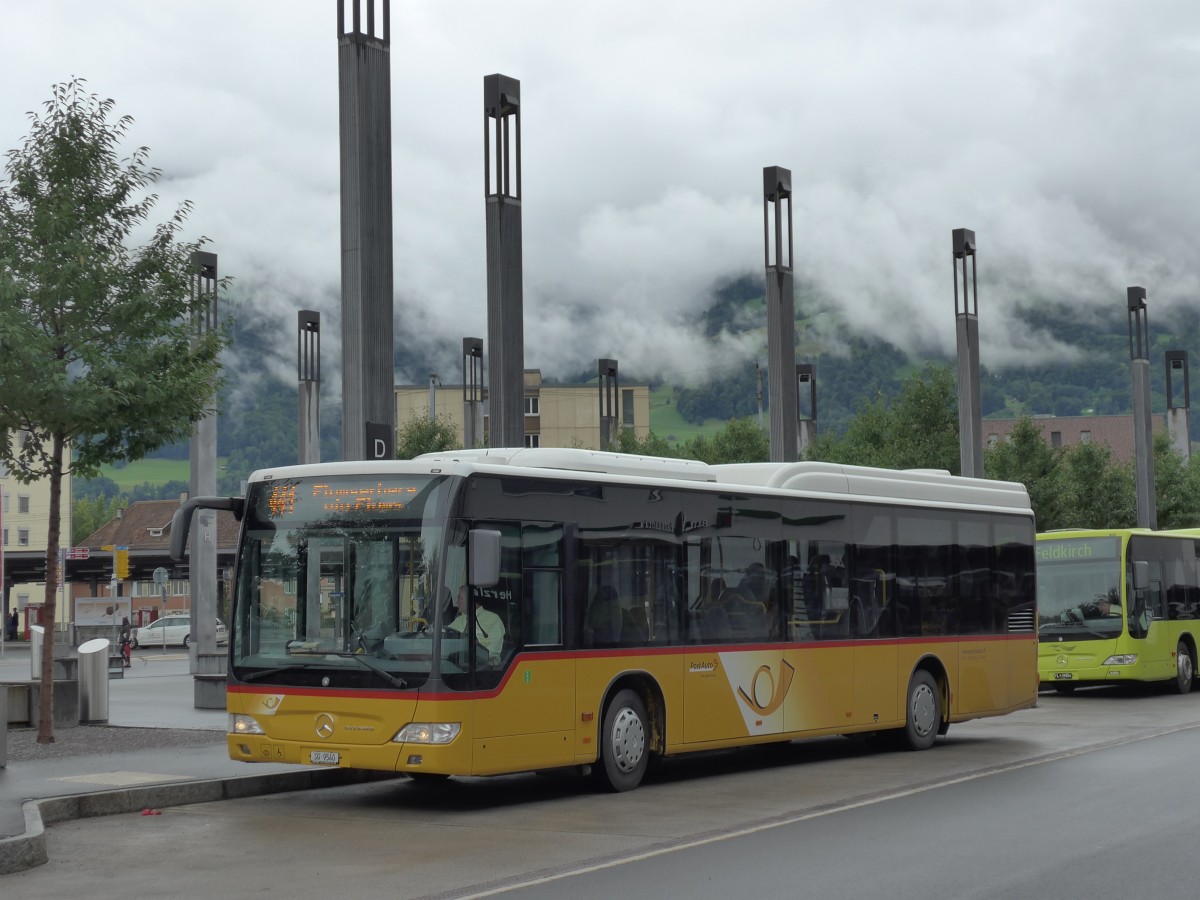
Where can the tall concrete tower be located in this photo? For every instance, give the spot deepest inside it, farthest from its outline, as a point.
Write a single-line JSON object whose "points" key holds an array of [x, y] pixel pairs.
{"points": [[806, 382], [365, 104], [610, 394], [505, 301], [208, 693], [1179, 401], [781, 314], [1143, 427], [966, 316], [472, 368], [308, 371]]}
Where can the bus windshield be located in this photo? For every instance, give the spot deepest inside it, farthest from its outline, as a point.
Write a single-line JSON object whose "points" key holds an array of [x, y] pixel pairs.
{"points": [[1079, 588], [332, 571]]}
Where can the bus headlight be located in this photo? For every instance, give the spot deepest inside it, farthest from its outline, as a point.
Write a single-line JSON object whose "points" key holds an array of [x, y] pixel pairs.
{"points": [[239, 724], [1125, 659], [427, 733]]}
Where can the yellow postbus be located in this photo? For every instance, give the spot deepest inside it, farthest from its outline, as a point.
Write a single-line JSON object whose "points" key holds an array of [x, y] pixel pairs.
{"points": [[491, 611], [1118, 605]]}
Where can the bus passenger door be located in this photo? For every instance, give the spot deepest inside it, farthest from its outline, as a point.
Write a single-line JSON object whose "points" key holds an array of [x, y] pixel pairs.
{"points": [[1148, 623], [525, 710]]}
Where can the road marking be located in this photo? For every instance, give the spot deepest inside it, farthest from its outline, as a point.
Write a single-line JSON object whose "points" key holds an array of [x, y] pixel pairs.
{"points": [[689, 843]]}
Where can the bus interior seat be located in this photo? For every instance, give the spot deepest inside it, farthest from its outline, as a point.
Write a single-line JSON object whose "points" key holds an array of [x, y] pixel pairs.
{"points": [[746, 617], [605, 620], [714, 624], [634, 629]]}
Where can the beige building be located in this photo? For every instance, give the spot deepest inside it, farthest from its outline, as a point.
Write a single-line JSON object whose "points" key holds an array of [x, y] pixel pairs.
{"points": [[555, 415], [24, 530]]}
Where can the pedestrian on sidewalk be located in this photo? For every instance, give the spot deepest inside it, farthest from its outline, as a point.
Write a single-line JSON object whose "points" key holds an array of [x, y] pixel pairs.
{"points": [[126, 638], [12, 623]]}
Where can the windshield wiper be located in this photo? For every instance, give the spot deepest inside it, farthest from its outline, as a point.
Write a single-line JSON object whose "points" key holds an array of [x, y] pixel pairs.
{"points": [[263, 673], [366, 661]]}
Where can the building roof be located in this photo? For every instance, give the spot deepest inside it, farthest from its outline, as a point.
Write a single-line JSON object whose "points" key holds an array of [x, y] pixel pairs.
{"points": [[146, 525]]}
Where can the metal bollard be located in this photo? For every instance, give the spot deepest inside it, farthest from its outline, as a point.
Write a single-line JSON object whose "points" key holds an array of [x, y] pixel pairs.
{"points": [[93, 681]]}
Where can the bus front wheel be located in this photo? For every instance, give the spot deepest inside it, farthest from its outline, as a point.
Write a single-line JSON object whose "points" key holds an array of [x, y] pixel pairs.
{"points": [[624, 751], [922, 712], [1185, 669]]}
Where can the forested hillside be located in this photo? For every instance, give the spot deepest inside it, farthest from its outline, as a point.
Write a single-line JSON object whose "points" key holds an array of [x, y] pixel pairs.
{"points": [[1097, 383], [258, 412]]}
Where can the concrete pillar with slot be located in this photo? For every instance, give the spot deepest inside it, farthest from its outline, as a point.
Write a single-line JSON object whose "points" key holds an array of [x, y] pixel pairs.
{"points": [[472, 382], [610, 394], [1143, 431], [308, 370], [781, 313], [308, 363], [206, 663], [1179, 401], [365, 104], [966, 315], [502, 198], [806, 413]]}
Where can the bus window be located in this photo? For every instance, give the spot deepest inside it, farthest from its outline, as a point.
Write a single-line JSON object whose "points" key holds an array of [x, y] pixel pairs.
{"points": [[542, 546], [872, 574]]}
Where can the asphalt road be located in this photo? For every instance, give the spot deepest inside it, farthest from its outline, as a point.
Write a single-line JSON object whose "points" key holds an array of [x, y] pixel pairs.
{"points": [[998, 808]]}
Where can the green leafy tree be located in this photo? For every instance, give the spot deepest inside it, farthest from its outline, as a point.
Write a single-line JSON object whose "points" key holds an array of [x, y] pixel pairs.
{"points": [[97, 350], [1027, 458], [88, 514], [918, 429], [1098, 490], [740, 441], [1176, 486], [650, 445], [426, 434], [91, 488]]}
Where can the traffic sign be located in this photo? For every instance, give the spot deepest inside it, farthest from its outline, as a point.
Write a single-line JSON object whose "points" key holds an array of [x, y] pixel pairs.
{"points": [[78, 553], [161, 575]]}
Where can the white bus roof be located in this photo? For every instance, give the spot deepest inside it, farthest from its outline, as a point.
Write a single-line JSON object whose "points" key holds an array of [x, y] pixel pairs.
{"points": [[915, 485], [923, 485]]}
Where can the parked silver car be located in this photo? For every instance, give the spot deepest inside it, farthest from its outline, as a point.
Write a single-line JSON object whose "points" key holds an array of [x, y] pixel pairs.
{"points": [[172, 630]]}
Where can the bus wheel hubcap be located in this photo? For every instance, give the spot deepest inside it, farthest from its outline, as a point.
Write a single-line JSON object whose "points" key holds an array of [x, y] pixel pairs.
{"points": [[923, 708], [628, 740]]}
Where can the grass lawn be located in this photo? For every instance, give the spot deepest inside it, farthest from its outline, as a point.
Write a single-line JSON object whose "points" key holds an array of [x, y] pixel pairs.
{"points": [[154, 471], [667, 423]]}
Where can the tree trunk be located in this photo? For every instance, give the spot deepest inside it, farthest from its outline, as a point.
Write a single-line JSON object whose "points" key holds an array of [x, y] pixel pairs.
{"points": [[46, 695]]}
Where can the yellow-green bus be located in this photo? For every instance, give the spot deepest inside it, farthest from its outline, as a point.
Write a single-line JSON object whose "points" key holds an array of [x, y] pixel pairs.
{"points": [[1118, 605], [487, 611]]}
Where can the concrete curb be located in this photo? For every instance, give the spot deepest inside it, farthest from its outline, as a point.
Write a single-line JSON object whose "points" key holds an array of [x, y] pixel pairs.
{"points": [[25, 851]]}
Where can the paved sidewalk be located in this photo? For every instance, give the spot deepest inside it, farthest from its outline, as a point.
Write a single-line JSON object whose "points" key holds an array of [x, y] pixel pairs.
{"points": [[156, 750]]}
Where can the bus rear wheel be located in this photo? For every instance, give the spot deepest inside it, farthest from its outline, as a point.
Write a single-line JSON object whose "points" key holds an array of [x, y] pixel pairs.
{"points": [[624, 748], [1185, 669], [922, 712]]}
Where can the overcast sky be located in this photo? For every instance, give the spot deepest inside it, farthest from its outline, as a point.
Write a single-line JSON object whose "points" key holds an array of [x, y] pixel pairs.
{"points": [[1064, 132]]}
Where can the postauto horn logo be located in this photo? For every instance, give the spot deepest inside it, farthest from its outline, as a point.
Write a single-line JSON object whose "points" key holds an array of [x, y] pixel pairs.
{"points": [[765, 694]]}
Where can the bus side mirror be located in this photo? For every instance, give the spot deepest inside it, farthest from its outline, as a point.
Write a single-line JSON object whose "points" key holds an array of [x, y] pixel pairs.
{"points": [[1141, 575], [484, 548]]}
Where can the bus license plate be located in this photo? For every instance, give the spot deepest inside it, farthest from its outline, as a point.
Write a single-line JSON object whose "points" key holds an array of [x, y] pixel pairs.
{"points": [[1058, 676], [323, 757]]}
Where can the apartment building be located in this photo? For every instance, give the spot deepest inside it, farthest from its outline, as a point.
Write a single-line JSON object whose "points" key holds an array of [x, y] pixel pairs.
{"points": [[24, 533], [555, 415]]}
